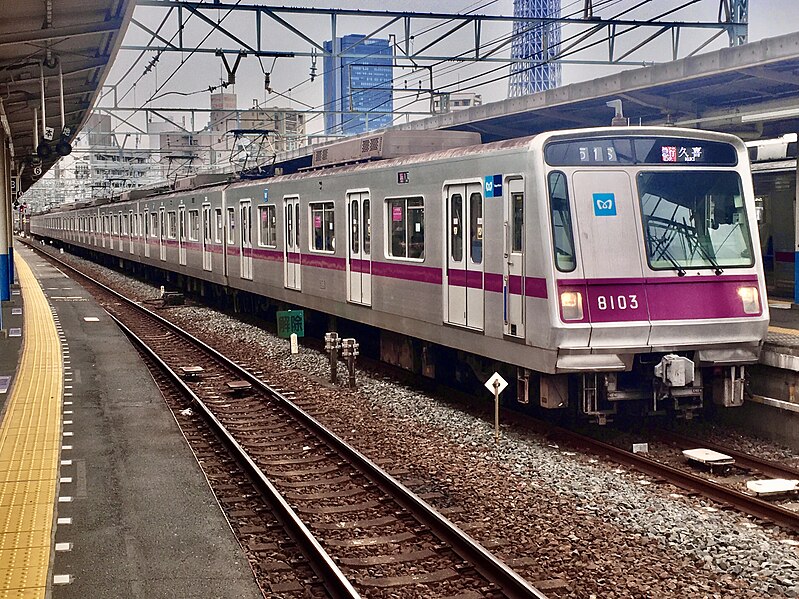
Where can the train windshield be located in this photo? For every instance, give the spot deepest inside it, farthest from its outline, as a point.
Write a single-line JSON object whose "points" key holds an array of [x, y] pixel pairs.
{"points": [[694, 220]]}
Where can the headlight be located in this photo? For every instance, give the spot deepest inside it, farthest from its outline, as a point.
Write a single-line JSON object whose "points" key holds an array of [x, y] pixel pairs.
{"points": [[571, 305], [750, 298]]}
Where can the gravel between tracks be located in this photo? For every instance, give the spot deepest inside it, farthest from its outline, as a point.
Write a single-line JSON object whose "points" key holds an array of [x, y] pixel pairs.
{"points": [[551, 514]]}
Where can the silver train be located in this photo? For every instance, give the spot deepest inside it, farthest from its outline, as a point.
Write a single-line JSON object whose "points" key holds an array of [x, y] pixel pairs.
{"points": [[603, 268]]}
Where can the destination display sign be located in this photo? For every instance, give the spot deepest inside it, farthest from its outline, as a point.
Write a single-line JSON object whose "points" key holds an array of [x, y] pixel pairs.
{"points": [[640, 150]]}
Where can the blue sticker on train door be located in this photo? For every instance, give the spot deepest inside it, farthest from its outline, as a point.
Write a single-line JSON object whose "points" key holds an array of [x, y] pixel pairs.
{"points": [[604, 204]]}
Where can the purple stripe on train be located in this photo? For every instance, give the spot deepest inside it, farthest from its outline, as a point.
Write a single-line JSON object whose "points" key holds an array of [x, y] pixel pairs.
{"points": [[407, 272]]}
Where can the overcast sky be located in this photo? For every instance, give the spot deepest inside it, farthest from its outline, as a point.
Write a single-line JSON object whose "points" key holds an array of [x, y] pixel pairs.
{"points": [[188, 87]]}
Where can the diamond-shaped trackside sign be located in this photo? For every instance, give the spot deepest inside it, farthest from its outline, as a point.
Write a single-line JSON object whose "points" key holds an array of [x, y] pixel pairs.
{"points": [[495, 378]]}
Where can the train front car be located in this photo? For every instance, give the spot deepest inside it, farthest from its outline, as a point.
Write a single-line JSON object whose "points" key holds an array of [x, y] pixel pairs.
{"points": [[659, 284]]}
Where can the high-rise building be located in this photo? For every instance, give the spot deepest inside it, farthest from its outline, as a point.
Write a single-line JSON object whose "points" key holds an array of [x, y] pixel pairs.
{"points": [[358, 81], [536, 44]]}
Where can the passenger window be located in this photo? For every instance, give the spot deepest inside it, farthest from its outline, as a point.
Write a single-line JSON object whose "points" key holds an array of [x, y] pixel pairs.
{"points": [[267, 226], [218, 225], [323, 227], [172, 225], [562, 235], [194, 225], [406, 227]]}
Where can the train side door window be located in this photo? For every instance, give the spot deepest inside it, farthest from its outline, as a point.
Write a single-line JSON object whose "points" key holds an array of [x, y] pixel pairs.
{"points": [[476, 228], [323, 232], [231, 225], [208, 261], [267, 226], [154, 224]]}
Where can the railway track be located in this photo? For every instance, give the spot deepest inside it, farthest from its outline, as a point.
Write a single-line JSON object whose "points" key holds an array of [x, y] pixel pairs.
{"points": [[362, 532], [683, 479]]}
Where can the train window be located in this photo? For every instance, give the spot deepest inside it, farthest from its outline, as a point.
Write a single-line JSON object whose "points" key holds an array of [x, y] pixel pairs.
{"points": [[367, 224], [517, 221], [297, 227], [171, 224], [231, 224], [456, 227], [694, 220], [218, 225], [323, 227], [207, 234], [406, 227], [476, 227], [267, 226], [355, 233], [562, 235], [115, 224], [154, 224], [194, 225]]}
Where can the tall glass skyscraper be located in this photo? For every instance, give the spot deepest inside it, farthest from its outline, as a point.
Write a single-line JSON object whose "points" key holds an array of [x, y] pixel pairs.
{"points": [[358, 96], [537, 43]]}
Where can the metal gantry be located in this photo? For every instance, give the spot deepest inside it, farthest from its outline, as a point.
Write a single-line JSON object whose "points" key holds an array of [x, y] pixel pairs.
{"points": [[732, 19]]}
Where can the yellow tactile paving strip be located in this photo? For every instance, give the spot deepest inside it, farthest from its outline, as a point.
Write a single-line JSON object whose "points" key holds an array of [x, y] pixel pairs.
{"points": [[30, 443]]}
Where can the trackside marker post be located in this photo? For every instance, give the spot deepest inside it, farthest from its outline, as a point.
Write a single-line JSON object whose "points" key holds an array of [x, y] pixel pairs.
{"points": [[496, 385]]}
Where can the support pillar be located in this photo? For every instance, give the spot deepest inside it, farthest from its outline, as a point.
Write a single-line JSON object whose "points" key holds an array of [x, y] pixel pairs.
{"points": [[5, 232]]}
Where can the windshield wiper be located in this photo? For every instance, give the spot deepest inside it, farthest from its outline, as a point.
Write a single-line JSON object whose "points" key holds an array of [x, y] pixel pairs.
{"points": [[664, 252], [680, 270], [716, 267]]}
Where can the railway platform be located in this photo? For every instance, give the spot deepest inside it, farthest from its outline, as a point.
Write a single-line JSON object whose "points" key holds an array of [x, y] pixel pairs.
{"points": [[100, 496]]}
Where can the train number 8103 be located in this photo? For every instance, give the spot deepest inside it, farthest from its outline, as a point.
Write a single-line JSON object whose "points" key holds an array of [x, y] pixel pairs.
{"points": [[617, 302]]}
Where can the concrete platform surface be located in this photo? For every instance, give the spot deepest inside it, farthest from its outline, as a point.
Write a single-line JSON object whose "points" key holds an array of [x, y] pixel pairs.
{"points": [[142, 521]]}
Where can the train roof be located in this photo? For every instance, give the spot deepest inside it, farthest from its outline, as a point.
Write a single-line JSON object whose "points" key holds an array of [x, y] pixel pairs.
{"points": [[398, 150]]}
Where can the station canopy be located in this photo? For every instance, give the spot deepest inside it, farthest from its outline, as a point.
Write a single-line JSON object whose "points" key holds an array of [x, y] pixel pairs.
{"points": [[77, 38], [750, 90]]}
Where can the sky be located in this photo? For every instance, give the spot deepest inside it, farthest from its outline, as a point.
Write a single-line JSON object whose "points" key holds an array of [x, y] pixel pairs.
{"points": [[188, 86]]}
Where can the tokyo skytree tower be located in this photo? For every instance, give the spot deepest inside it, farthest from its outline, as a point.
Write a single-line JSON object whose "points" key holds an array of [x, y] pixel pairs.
{"points": [[536, 43]]}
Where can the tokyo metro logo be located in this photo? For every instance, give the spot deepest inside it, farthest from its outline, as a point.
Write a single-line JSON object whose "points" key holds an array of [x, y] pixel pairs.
{"points": [[604, 204]]}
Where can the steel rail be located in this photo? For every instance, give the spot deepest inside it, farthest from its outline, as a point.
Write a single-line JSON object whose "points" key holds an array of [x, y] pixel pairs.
{"points": [[685, 480], [745, 460], [334, 580], [485, 562]]}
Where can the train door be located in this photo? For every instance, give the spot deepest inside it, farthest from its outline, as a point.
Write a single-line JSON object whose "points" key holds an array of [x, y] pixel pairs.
{"points": [[292, 260], [464, 286], [133, 231], [610, 248], [207, 256], [513, 267], [146, 236], [359, 262], [245, 239], [161, 228], [182, 235]]}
